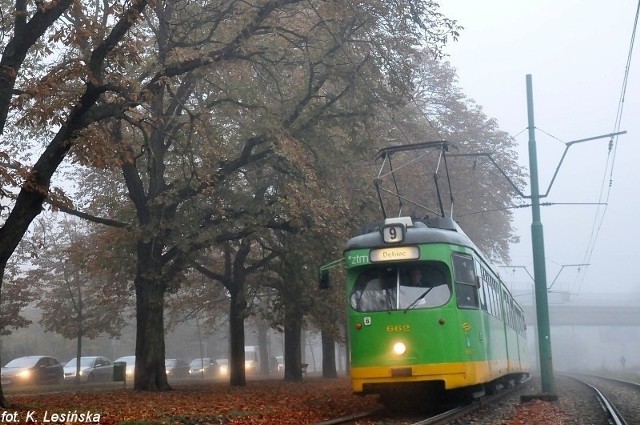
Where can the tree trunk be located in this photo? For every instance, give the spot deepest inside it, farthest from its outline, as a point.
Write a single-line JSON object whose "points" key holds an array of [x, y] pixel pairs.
{"points": [[3, 264], [78, 352], [263, 349], [328, 355], [150, 370], [237, 307], [292, 339]]}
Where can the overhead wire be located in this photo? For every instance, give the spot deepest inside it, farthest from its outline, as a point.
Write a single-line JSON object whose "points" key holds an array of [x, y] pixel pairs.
{"points": [[602, 206], [611, 156]]}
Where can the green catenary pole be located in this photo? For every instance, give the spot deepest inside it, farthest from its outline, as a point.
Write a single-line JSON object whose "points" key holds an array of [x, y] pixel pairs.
{"points": [[539, 268]]}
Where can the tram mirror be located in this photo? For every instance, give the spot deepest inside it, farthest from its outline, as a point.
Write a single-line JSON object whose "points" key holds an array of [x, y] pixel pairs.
{"points": [[478, 283], [324, 279]]}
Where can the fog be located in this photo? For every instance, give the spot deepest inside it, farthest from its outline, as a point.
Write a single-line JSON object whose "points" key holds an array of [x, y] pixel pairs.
{"points": [[598, 349], [592, 347], [188, 341], [577, 53]]}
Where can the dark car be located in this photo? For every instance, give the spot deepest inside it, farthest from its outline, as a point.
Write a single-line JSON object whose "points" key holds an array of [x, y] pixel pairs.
{"points": [[204, 367], [92, 368], [32, 370], [176, 368]]}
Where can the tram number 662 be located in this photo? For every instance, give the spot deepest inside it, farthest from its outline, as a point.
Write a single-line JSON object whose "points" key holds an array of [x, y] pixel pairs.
{"points": [[398, 328]]}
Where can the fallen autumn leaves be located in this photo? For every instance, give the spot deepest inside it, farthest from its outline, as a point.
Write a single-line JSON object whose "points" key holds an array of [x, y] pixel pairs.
{"points": [[260, 402]]}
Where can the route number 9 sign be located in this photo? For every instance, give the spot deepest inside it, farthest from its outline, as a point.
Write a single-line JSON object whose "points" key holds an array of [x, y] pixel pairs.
{"points": [[393, 233]]}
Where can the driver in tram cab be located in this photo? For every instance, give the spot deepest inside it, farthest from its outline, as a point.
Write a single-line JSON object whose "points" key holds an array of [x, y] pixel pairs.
{"points": [[430, 278], [415, 277], [425, 277]]}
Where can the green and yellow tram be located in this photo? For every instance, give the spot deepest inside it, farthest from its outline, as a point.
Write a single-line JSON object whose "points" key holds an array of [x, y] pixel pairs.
{"points": [[425, 309]]}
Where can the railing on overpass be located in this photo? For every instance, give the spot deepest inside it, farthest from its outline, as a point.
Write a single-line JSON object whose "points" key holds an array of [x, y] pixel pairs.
{"points": [[572, 315]]}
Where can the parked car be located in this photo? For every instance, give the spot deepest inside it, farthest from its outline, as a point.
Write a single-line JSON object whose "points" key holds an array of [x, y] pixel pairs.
{"points": [[92, 368], [223, 367], [176, 368], [131, 365], [204, 367], [280, 360], [251, 359], [32, 370]]}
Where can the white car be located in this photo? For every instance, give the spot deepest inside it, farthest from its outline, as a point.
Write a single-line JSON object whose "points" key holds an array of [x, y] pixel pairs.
{"points": [[92, 368], [223, 367]]}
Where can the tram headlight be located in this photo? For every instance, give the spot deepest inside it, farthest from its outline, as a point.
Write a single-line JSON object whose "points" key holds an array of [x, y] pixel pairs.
{"points": [[399, 348]]}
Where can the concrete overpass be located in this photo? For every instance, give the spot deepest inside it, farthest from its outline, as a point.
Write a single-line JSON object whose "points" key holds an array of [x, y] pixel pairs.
{"points": [[573, 315]]}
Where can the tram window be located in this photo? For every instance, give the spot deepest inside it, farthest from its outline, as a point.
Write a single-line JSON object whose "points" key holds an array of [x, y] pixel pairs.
{"points": [[375, 290], [421, 285], [494, 307], [467, 295], [466, 283], [508, 310], [485, 291], [512, 313], [463, 268], [482, 293], [424, 285]]}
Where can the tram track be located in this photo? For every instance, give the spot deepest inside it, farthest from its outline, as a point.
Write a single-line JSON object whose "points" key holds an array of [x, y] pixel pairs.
{"points": [[464, 410], [619, 399], [351, 418], [441, 416]]}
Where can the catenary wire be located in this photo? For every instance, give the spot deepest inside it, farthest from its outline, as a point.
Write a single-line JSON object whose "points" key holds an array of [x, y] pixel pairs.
{"points": [[613, 146]]}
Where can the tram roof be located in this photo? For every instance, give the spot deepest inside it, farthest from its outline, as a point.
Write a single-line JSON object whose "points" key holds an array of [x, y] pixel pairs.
{"points": [[435, 230]]}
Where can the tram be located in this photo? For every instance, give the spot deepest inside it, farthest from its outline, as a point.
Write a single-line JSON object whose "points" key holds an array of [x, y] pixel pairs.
{"points": [[427, 311]]}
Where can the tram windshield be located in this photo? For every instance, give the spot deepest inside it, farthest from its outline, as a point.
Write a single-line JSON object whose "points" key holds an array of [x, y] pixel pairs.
{"points": [[402, 286]]}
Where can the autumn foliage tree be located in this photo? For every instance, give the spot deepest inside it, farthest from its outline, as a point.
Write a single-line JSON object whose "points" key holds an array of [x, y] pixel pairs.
{"points": [[41, 86], [226, 123], [253, 86], [16, 295], [76, 297]]}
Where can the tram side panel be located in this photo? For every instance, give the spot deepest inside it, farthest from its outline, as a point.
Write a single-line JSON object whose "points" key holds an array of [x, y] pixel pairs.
{"points": [[491, 305], [511, 334], [506, 324], [521, 362], [478, 293]]}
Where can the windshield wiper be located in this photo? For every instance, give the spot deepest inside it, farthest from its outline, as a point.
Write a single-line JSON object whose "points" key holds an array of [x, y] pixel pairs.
{"points": [[389, 299], [424, 294]]}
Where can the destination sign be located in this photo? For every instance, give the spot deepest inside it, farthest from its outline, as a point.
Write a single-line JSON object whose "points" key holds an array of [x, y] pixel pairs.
{"points": [[395, 254]]}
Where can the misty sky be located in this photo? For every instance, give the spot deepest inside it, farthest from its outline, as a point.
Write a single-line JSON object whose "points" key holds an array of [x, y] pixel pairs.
{"points": [[576, 52]]}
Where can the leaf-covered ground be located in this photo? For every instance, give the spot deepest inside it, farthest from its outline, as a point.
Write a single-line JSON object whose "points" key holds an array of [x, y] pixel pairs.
{"points": [[260, 402], [538, 413]]}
